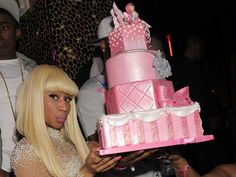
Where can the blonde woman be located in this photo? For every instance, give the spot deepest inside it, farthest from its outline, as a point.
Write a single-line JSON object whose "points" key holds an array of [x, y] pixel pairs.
{"points": [[52, 143]]}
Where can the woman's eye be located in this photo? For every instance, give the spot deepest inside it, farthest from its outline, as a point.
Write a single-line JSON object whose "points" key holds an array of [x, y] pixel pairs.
{"points": [[68, 99], [53, 96]]}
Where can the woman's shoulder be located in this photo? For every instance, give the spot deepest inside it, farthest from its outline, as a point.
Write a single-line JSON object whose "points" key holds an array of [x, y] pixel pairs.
{"points": [[23, 146], [23, 153]]}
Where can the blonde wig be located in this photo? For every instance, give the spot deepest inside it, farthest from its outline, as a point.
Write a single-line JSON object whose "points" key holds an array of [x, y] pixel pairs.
{"points": [[30, 114]]}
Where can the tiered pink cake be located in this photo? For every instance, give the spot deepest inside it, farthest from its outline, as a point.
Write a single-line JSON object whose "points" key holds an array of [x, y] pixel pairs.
{"points": [[143, 110]]}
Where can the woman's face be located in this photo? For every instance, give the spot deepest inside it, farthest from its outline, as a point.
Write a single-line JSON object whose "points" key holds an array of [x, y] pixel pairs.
{"points": [[56, 108]]}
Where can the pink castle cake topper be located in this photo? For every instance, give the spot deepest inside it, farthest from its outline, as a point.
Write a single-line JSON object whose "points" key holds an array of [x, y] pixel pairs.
{"points": [[130, 13], [119, 17]]}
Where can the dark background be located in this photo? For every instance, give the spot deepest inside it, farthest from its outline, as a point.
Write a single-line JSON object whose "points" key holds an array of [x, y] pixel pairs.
{"points": [[213, 21]]}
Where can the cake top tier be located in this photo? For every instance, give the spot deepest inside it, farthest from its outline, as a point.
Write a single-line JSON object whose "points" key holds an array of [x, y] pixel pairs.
{"points": [[130, 32]]}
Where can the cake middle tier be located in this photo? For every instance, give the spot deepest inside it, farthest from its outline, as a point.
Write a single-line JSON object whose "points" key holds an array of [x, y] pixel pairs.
{"points": [[130, 66], [139, 96]]}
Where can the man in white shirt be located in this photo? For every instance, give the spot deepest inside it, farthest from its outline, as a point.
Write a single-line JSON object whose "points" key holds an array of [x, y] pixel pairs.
{"points": [[0, 149], [13, 69]]}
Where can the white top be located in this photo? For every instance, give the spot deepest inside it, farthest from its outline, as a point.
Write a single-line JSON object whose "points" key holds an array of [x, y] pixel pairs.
{"points": [[12, 74], [0, 149], [91, 103], [97, 67], [26, 161]]}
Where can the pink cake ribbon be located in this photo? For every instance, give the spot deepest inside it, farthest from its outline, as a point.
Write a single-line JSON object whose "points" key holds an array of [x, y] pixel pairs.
{"points": [[179, 98], [182, 98], [164, 97]]}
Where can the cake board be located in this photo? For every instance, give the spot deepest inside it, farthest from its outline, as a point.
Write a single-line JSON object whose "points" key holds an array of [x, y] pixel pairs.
{"points": [[182, 141]]}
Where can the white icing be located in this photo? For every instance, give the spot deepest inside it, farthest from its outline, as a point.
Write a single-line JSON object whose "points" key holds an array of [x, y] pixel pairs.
{"points": [[149, 116]]}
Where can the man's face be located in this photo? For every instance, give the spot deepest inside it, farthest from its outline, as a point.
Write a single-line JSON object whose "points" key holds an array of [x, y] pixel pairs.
{"points": [[9, 34], [103, 45]]}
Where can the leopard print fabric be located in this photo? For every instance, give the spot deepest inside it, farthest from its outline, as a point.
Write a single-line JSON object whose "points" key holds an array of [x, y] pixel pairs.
{"points": [[55, 32]]}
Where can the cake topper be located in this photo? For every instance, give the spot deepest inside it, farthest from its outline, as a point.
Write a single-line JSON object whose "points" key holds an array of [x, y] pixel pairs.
{"points": [[130, 13], [119, 17]]}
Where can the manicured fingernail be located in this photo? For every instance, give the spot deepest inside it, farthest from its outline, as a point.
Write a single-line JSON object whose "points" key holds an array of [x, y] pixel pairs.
{"points": [[117, 158], [140, 152]]}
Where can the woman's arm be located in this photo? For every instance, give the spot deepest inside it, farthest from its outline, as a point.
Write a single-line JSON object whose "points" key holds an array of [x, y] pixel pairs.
{"points": [[26, 169], [225, 170], [26, 163], [183, 169]]}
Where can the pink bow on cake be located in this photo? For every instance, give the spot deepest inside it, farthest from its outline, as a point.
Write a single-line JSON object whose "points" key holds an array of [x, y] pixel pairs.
{"points": [[177, 99], [182, 98]]}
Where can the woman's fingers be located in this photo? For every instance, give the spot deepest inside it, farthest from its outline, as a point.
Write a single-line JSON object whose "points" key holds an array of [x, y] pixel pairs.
{"points": [[101, 163], [108, 163], [144, 155], [133, 157], [93, 145]]}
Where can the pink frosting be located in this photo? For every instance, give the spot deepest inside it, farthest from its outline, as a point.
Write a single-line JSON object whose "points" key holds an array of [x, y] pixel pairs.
{"points": [[121, 149], [129, 36], [139, 96], [149, 127], [130, 67]]}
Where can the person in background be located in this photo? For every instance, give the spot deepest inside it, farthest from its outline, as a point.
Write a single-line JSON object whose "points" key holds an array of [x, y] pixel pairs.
{"points": [[104, 28], [13, 69], [0, 149], [91, 100], [193, 69], [232, 110], [157, 43], [183, 169], [102, 44], [52, 143]]}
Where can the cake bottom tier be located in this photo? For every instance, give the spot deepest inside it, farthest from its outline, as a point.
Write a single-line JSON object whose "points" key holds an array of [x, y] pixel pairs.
{"points": [[149, 129]]}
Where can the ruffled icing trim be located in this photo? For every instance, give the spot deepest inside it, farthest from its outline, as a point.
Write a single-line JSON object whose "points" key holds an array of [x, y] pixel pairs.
{"points": [[148, 116]]}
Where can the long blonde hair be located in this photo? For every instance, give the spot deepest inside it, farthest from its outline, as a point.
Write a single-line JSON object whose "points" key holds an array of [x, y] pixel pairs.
{"points": [[30, 114]]}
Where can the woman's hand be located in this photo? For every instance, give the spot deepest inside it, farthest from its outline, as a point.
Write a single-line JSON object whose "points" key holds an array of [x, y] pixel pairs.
{"points": [[182, 168], [177, 161], [131, 157], [95, 163]]}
